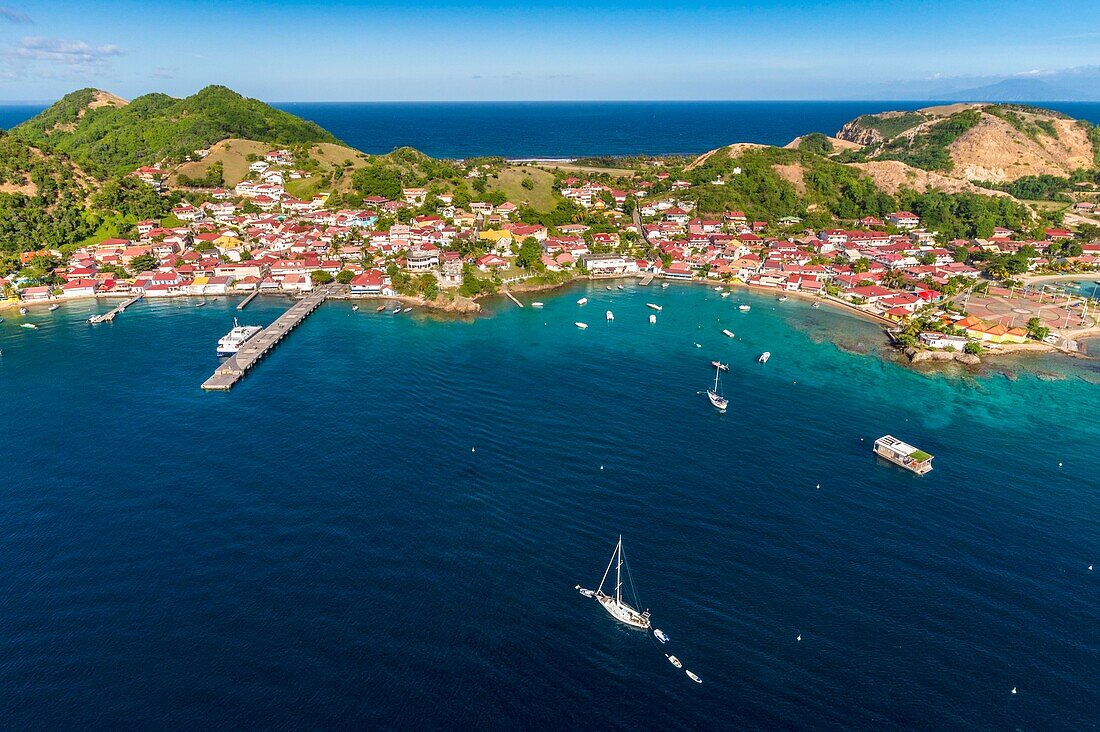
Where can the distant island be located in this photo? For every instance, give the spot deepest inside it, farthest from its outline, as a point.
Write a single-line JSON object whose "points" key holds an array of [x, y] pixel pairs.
{"points": [[932, 222]]}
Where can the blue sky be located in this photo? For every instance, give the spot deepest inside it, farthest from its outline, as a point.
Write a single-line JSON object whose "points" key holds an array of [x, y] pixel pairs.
{"points": [[508, 49]]}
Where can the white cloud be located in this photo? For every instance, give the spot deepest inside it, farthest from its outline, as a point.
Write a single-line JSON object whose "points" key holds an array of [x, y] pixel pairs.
{"points": [[58, 58]]}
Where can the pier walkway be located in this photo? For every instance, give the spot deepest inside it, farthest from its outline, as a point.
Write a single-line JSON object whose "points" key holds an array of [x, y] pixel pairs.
{"points": [[244, 303], [109, 316], [234, 368], [510, 296]]}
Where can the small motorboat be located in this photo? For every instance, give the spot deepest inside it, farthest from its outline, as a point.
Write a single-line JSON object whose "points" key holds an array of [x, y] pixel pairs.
{"points": [[620, 287], [609, 288], [660, 635], [720, 365], [727, 333], [817, 304], [380, 308], [783, 298], [355, 308], [764, 356], [537, 305], [725, 294], [582, 326], [23, 311], [664, 284], [407, 310], [54, 307], [582, 301], [30, 326], [610, 316], [744, 308], [693, 677], [395, 311], [717, 289], [584, 592], [674, 661], [651, 306], [698, 344], [201, 304], [652, 318]]}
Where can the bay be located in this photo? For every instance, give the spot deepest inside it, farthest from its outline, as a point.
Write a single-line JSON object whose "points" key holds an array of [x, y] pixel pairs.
{"points": [[323, 546]]}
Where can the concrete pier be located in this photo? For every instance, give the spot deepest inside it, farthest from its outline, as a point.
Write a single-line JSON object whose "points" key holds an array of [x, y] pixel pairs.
{"points": [[234, 368], [109, 316]]}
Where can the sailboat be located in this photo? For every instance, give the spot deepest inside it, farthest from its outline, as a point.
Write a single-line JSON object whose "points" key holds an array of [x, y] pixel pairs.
{"points": [[720, 402], [614, 604]]}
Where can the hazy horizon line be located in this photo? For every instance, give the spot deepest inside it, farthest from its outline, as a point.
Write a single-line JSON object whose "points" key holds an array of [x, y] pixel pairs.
{"points": [[805, 100]]}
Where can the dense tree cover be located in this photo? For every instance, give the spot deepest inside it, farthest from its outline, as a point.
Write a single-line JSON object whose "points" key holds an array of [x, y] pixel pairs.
{"points": [[928, 148], [44, 205], [132, 199], [836, 191], [816, 142], [965, 215], [377, 180], [155, 127], [890, 126]]}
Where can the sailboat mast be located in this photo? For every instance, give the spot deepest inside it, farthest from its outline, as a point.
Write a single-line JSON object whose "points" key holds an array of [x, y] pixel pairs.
{"points": [[619, 572], [606, 571]]}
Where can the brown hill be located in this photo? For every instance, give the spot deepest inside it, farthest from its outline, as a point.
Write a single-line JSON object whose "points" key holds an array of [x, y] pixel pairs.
{"points": [[986, 142]]}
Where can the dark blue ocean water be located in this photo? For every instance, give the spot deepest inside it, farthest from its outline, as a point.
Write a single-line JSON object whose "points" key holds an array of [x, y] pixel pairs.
{"points": [[569, 129], [320, 547]]}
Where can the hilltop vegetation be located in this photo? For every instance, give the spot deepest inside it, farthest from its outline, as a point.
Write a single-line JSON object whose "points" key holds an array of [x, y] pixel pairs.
{"points": [[111, 139], [776, 183]]}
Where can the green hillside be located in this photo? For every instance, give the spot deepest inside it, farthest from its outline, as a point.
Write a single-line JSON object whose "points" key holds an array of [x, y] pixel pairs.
{"points": [[115, 139]]}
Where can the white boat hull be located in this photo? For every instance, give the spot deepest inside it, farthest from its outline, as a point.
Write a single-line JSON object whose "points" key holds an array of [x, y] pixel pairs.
{"points": [[719, 402], [623, 612]]}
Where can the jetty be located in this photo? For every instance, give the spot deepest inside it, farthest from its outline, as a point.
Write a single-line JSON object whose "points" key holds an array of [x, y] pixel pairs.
{"points": [[110, 315], [511, 296], [244, 303], [234, 368], [646, 280]]}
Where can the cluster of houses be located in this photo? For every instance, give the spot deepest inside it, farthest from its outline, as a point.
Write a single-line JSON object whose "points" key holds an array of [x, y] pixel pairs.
{"points": [[220, 248]]}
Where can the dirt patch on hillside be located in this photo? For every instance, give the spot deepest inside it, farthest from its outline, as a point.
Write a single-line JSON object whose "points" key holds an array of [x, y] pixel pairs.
{"points": [[892, 176], [794, 174], [946, 110], [839, 145], [995, 151]]}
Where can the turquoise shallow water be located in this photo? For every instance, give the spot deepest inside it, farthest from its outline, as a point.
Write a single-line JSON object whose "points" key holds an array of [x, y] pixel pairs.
{"points": [[321, 546]]}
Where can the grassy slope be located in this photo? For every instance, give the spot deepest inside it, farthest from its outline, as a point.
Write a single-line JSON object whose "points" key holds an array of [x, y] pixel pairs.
{"points": [[510, 183]]}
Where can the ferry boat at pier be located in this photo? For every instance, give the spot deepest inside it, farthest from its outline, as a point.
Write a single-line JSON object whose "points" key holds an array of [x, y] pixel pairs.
{"points": [[232, 341], [903, 454]]}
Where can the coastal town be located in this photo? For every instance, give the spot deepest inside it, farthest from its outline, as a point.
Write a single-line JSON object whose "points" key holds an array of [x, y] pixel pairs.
{"points": [[421, 247]]}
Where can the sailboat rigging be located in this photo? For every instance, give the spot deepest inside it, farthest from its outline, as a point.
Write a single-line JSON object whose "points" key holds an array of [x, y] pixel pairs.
{"points": [[614, 603], [720, 402]]}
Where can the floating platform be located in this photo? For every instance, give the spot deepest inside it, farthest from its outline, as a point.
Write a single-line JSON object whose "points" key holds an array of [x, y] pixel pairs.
{"points": [[903, 454]]}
